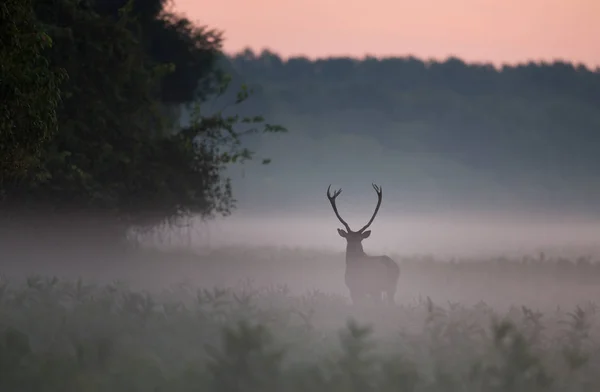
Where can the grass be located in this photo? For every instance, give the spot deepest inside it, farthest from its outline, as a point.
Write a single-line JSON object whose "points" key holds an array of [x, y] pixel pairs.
{"points": [[67, 334]]}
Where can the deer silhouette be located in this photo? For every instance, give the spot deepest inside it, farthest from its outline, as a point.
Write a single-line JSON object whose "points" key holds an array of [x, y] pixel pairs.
{"points": [[367, 277]]}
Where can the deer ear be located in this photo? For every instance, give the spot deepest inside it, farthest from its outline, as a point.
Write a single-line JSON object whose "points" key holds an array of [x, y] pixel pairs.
{"points": [[342, 233], [366, 234]]}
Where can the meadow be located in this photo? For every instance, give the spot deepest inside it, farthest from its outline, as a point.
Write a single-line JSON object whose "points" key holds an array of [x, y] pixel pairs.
{"points": [[249, 319]]}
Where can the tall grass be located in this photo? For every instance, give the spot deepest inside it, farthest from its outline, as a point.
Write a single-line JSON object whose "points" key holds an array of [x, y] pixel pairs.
{"points": [[68, 335]]}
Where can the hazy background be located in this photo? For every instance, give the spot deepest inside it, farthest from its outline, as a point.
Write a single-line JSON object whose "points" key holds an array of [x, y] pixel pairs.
{"points": [[491, 156], [481, 157], [442, 236], [472, 158]]}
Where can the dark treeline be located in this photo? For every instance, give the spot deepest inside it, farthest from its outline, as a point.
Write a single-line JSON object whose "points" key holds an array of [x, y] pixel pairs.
{"points": [[91, 97], [534, 124]]}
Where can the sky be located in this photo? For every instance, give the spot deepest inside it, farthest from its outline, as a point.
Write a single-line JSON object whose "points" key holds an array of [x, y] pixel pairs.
{"points": [[496, 31]]}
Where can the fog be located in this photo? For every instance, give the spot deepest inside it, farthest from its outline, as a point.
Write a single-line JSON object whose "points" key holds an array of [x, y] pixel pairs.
{"points": [[444, 236], [304, 252], [283, 232]]}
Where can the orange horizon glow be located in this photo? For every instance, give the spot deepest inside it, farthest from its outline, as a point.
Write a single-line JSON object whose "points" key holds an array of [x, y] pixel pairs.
{"points": [[482, 31]]}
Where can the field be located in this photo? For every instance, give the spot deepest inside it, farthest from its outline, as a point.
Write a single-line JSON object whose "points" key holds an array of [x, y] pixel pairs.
{"points": [[241, 319]]}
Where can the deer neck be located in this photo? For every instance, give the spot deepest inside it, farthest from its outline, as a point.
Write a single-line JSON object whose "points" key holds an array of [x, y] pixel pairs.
{"points": [[354, 252]]}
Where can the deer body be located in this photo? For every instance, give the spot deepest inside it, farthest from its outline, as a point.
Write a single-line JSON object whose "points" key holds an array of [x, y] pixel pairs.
{"points": [[366, 276], [370, 276]]}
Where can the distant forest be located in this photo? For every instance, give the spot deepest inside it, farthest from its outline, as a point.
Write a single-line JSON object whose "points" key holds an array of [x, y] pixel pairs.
{"points": [[527, 134]]}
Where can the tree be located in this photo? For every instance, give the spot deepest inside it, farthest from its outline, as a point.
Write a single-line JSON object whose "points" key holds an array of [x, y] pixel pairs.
{"points": [[169, 38], [116, 155], [29, 89]]}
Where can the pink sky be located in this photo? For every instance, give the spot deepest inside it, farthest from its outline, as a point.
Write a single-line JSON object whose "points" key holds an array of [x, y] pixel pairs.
{"points": [[498, 31]]}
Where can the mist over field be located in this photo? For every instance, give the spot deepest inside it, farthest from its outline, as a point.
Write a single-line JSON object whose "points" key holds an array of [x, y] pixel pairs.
{"points": [[446, 236]]}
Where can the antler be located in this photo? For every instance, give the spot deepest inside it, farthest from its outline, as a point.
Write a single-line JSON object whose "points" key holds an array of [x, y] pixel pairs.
{"points": [[379, 196], [332, 201]]}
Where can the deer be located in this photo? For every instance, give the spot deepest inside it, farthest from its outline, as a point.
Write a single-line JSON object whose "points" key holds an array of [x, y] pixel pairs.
{"points": [[366, 276]]}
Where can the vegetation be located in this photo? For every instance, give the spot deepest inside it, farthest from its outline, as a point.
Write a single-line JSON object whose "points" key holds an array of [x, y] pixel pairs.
{"points": [[69, 335], [28, 89], [120, 152]]}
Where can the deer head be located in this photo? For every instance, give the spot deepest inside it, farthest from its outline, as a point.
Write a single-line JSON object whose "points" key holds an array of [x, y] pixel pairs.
{"points": [[354, 238]]}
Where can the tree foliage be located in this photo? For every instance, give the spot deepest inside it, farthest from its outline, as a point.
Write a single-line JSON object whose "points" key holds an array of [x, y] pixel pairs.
{"points": [[120, 151], [169, 38], [29, 89]]}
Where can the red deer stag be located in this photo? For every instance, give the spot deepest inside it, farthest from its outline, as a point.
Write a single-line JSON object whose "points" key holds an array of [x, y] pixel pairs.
{"points": [[366, 276]]}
